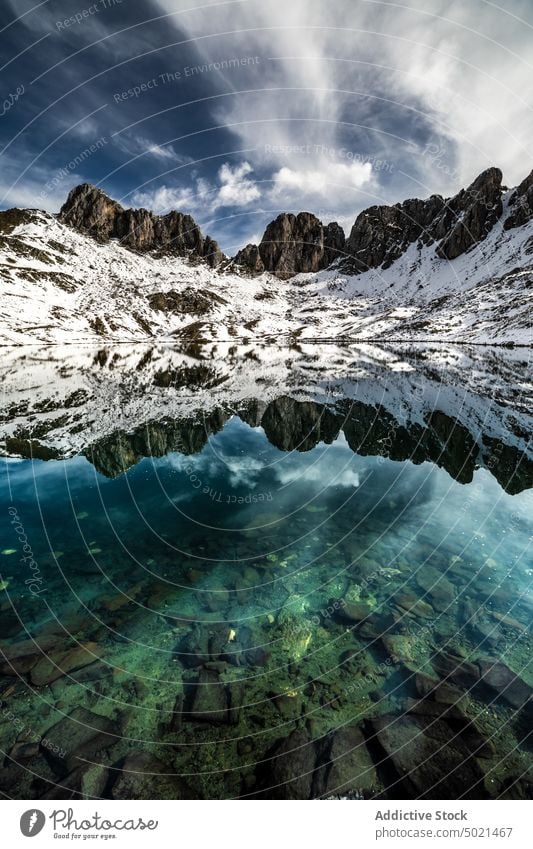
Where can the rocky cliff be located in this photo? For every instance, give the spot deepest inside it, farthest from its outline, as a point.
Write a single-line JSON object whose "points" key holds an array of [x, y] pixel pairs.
{"points": [[521, 204], [381, 234], [89, 210], [292, 244]]}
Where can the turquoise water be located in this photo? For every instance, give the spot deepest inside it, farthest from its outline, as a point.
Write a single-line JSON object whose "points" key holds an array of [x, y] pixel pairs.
{"points": [[253, 620]]}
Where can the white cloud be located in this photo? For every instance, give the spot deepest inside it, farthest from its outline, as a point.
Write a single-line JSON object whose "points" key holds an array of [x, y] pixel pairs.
{"points": [[325, 467], [328, 189], [236, 188], [389, 76], [232, 188]]}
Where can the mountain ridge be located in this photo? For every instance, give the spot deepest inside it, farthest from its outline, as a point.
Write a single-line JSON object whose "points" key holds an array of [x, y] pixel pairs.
{"points": [[301, 243], [97, 271]]}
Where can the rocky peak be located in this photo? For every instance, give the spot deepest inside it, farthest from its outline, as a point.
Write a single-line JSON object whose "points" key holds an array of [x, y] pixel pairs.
{"points": [[521, 204], [90, 211], [292, 244], [381, 234], [469, 216], [250, 258]]}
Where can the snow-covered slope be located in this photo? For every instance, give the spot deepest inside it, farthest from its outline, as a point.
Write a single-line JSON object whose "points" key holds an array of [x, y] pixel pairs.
{"points": [[58, 286]]}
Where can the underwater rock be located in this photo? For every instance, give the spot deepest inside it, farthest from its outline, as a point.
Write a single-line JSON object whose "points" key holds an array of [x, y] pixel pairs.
{"points": [[504, 681], [400, 647], [440, 590], [421, 757], [439, 691], [295, 632], [414, 606], [289, 704], [210, 701], [376, 625], [193, 649], [58, 664], [214, 600], [177, 713], [23, 751], [488, 676], [289, 771], [141, 775], [93, 672], [456, 669], [483, 634], [18, 658], [351, 611], [348, 766], [80, 735], [87, 781], [517, 787]]}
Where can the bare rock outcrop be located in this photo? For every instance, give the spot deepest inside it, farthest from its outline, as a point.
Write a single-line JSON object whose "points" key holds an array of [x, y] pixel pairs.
{"points": [[90, 211], [381, 234], [292, 244], [520, 204], [249, 258], [469, 216]]}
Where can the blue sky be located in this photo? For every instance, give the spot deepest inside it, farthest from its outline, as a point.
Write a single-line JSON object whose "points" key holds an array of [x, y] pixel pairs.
{"points": [[236, 111]]}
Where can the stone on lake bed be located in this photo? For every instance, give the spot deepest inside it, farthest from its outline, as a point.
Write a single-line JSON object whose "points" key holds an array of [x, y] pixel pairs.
{"points": [[57, 664], [289, 772], [504, 681], [426, 759], [78, 737], [18, 658], [141, 775], [348, 768], [213, 700], [350, 611], [414, 606]]}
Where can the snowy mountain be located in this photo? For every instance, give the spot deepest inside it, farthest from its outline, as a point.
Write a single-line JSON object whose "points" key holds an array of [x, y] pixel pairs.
{"points": [[438, 270]]}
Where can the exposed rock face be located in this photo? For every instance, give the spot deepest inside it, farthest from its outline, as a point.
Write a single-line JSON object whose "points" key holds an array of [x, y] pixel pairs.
{"points": [[521, 204], [92, 212], [381, 234], [250, 258], [292, 244], [470, 215], [334, 243]]}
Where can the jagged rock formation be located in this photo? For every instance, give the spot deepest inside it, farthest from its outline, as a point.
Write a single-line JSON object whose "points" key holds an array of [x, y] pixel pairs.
{"points": [[250, 258], [521, 204], [299, 243], [470, 215], [89, 210], [381, 234], [292, 244]]}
